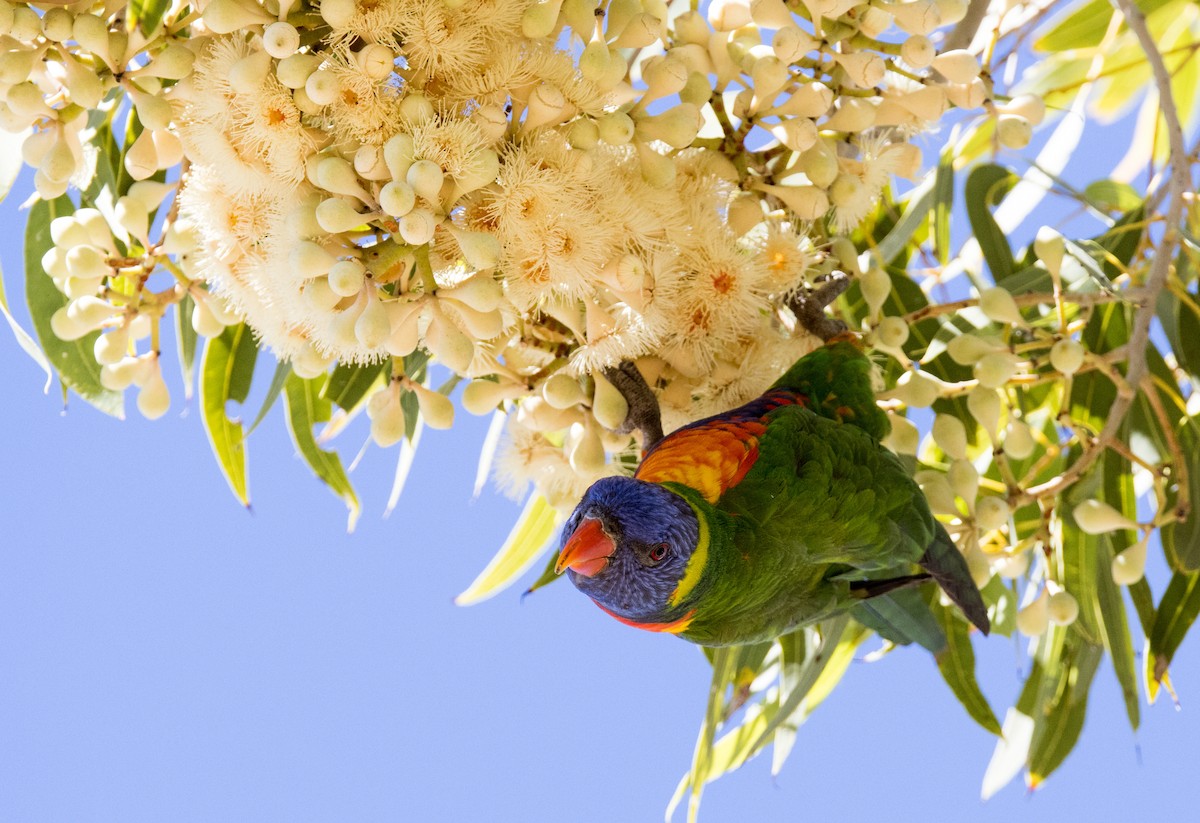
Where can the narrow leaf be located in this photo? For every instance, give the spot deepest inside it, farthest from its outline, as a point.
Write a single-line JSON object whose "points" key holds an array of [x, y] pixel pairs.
{"points": [[943, 193], [986, 187], [956, 662], [24, 340], [527, 541], [305, 409], [348, 384], [283, 369], [1176, 612], [1010, 753], [74, 360], [226, 369], [147, 14], [1063, 713], [186, 339]]}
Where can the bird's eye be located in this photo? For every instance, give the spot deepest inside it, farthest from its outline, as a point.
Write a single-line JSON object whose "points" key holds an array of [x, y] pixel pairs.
{"points": [[657, 553]]}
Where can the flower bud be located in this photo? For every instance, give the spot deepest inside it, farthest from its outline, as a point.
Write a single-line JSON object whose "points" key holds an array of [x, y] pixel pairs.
{"points": [[337, 175], [805, 202], [1062, 608], [111, 347], [436, 408], [616, 128], [951, 436], [991, 513], [204, 322], [338, 13], [1097, 517], [609, 406], [308, 260], [229, 16], [120, 375], [1049, 247], [994, 370], [957, 65], [984, 405], [449, 346], [154, 398], [562, 391], [1029, 106], [964, 480], [418, 226], [540, 19], [998, 304], [482, 396], [1012, 566], [968, 349], [1018, 440], [322, 87], [141, 161], [916, 389], [387, 418], [426, 178], [397, 198], [320, 297], [1066, 356], [918, 51], [293, 72], [904, 438], [336, 215], [346, 277], [1013, 131], [1129, 566], [247, 75], [372, 327], [1035, 617], [416, 108], [281, 40], [876, 287], [729, 15]]}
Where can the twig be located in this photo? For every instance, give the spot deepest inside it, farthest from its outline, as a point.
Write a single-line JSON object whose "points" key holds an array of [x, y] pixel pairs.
{"points": [[644, 413], [809, 307], [1179, 463], [964, 30], [1033, 298]]}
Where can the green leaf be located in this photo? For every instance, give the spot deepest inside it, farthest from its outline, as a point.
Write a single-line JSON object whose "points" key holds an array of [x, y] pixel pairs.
{"points": [[1062, 708], [1111, 195], [1002, 606], [903, 617], [1081, 27], [524, 545], [943, 191], [349, 384], [1181, 540], [74, 360], [282, 369], [1176, 612], [147, 14], [226, 369], [986, 187], [186, 339], [918, 202], [108, 157], [24, 340], [1187, 331], [305, 409], [956, 662]]}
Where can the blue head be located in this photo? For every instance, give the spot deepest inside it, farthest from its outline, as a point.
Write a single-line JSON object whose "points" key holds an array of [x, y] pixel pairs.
{"points": [[627, 546]]}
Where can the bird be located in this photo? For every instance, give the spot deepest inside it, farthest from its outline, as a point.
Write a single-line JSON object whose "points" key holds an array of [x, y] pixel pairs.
{"points": [[770, 517]]}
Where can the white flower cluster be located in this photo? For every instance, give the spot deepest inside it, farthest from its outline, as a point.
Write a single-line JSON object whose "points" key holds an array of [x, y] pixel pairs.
{"points": [[530, 191]]}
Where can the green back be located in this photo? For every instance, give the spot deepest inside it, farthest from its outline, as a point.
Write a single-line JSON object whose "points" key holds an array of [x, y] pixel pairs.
{"points": [[836, 379]]}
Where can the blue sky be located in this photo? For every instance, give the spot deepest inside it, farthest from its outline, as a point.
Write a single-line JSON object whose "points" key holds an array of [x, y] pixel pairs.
{"points": [[168, 655]]}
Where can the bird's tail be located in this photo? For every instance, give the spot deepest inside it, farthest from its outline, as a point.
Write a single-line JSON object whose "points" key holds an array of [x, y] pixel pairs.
{"points": [[946, 565]]}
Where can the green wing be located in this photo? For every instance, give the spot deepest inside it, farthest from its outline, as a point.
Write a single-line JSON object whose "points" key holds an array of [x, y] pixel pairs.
{"points": [[836, 379], [824, 493]]}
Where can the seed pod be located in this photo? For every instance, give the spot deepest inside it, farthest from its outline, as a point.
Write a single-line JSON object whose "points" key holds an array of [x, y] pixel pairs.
{"points": [[1097, 517]]}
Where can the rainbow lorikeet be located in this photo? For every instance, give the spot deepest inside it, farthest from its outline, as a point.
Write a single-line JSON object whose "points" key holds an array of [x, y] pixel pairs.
{"points": [[743, 526]]}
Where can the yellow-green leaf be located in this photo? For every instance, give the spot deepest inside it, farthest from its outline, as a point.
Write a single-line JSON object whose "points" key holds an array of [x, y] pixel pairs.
{"points": [[1176, 612], [226, 369], [525, 543], [305, 409]]}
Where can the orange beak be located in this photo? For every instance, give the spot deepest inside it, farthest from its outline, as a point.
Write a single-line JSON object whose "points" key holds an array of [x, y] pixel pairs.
{"points": [[587, 551]]}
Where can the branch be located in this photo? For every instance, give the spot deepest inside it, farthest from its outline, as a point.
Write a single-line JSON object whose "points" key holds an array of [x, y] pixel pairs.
{"points": [[809, 306], [644, 413], [963, 33], [1160, 268]]}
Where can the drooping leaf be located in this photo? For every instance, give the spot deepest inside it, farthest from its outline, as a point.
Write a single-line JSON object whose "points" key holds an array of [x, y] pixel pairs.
{"points": [[24, 339], [186, 340], [1176, 613], [943, 194], [986, 187], [147, 14], [1111, 195], [1062, 712], [226, 369], [74, 360], [305, 409], [524, 545], [956, 662], [903, 617], [349, 383], [282, 371], [1181, 540]]}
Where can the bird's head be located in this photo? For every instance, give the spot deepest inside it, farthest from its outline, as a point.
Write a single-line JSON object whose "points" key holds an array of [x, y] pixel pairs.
{"points": [[628, 546]]}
